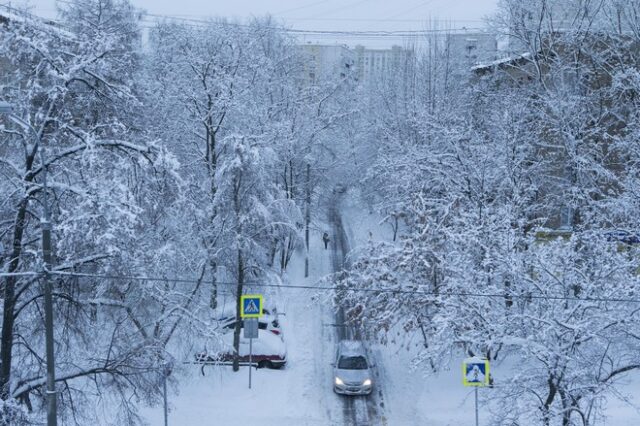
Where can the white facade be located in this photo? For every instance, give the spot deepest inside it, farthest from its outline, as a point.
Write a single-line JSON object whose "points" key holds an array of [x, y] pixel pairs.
{"points": [[471, 48], [339, 61], [374, 62], [330, 61], [323, 61]]}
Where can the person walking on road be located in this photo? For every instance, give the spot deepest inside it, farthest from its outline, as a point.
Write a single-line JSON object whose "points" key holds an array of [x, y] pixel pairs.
{"points": [[325, 238]]}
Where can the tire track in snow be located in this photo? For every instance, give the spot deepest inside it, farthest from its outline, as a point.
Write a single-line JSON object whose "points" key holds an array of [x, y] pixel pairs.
{"points": [[358, 410]]}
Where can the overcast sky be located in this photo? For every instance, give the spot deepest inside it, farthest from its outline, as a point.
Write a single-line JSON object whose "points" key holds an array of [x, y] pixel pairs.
{"points": [[335, 15]]}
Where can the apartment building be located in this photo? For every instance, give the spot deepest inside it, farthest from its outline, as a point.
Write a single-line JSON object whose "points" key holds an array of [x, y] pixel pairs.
{"points": [[470, 48], [567, 68], [370, 63], [326, 61]]}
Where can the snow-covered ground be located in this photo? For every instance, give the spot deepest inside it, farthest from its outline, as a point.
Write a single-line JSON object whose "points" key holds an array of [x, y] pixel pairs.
{"points": [[300, 394]]}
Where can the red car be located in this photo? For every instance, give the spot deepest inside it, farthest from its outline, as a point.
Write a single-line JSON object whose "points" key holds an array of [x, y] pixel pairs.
{"points": [[268, 351]]}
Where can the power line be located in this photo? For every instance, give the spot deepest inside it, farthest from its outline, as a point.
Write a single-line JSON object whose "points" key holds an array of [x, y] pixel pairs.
{"points": [[363, 35], [360, 290], [376, 20], [368, 33], [383, 33]]}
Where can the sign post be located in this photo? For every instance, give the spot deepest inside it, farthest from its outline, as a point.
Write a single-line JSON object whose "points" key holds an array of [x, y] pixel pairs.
{"points": [[250, 332], [166, 371], [475, 372], [476, 392], [250, 311]]}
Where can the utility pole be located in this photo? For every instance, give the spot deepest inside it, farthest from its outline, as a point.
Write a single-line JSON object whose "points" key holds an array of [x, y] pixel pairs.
{"points": [[307, 220], [48, 314], [45, 226], [165, 373]]}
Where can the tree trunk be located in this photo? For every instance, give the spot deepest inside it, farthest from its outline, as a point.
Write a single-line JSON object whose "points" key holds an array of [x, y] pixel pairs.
{"points": [[291, 194], [211, 155], [212, 164], [213, 301], [567, 407], [546, 416], [290, 246], [8, 318], [7, 337], [283, 256], [395, 227], [272, 253], [238, 327]]}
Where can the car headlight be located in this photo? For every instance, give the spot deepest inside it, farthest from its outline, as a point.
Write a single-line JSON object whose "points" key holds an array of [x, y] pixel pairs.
{"points": [[339, 381], [366, 382]]}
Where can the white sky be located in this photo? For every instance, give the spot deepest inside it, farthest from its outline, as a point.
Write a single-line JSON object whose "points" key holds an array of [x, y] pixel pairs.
{"points": [[335, 15]]}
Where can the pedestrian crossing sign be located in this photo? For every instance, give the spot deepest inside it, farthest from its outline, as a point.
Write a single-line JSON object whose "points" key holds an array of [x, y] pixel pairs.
{"points": [[475, 372], [251, 306]]}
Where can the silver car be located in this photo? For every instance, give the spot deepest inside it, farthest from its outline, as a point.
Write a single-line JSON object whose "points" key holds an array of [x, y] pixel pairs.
{"points": [[352, 369]]}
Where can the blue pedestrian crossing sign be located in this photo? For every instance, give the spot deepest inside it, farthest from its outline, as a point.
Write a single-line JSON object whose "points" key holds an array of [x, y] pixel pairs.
{"points": [[475, 372], [251, 306]]}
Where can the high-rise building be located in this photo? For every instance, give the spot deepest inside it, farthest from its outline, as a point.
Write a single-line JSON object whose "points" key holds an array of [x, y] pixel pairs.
{"points": [[370, 63], [470, 48], [365, 65], [326, 61]]}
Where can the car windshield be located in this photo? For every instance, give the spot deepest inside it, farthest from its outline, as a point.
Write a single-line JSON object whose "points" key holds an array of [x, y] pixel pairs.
{"points": [[352, 363]]}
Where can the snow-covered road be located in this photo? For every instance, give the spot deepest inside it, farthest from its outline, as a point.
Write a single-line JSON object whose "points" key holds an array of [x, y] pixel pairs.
{"points": [[358, 410], [300, 394]]}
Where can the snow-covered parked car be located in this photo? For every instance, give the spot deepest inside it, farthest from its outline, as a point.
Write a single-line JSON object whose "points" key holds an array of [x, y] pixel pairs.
{"points": [[266, 322], [226, 320], [268, 351]]}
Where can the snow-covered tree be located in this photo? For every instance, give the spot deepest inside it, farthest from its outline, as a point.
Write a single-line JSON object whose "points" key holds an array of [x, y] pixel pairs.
{"points": [[74, 84], [511, 189]]}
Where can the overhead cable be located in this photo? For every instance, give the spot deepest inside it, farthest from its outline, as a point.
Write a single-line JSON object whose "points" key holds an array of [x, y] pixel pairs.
{"points": [[437, 294]]}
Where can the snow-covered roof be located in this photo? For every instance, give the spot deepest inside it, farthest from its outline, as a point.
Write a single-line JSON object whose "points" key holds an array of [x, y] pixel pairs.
{"points": [[9, 14], [351, 347], [502, 61]]}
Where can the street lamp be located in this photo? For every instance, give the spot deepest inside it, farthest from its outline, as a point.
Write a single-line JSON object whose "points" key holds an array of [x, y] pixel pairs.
{"points": [[45, 225]]}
